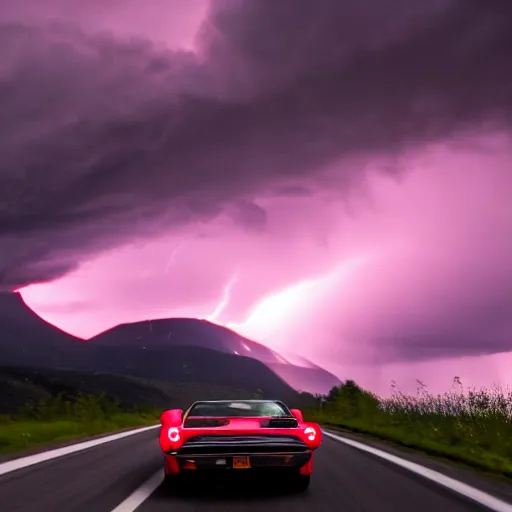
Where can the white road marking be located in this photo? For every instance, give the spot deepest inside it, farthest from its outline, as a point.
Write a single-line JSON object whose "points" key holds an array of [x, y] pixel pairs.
{"points": [[480, 497], [23, 462], [141, 494]]}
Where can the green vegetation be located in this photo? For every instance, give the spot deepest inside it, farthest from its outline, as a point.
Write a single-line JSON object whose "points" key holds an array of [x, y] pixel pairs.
{"points": [[62, 418], [19, 386], [470, 426]]}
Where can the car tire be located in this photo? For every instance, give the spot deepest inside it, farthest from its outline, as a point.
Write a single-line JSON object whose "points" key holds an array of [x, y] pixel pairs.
{"points": [[172, 483], [301, 483]]}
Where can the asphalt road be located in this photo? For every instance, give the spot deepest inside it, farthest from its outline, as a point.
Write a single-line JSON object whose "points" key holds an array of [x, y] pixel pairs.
{"points": [[100, 478]]}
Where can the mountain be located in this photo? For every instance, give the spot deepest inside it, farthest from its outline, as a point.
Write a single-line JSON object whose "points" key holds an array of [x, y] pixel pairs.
{"points": [[28, 340], [174, 350], [190, 332], [162, 334]]}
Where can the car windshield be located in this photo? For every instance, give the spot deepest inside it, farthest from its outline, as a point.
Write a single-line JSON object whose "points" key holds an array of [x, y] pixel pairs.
{"points": [[239, 408]]}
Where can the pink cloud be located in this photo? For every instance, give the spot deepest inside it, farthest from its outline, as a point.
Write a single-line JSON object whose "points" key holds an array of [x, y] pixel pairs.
{"points": [[184, 158], [393, 277], [173, 23]]}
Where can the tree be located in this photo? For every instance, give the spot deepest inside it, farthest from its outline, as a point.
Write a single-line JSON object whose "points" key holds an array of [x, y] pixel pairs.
{"points": [[350, 400]]}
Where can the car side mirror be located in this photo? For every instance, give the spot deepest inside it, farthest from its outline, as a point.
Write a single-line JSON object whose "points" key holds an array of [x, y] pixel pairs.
{"points": [[172, 417], [298, 414]]}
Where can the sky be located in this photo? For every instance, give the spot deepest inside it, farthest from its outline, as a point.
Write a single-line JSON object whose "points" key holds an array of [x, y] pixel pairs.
{"points": [[330, 177]]}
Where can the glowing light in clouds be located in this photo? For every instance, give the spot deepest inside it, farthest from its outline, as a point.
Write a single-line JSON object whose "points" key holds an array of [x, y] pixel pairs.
{"points": [[271, 316]]}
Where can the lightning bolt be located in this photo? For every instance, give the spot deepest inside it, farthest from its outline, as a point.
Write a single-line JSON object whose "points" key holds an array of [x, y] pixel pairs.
{"points": [[172, 257], [271, 315], [226, 297], [185, 240]]}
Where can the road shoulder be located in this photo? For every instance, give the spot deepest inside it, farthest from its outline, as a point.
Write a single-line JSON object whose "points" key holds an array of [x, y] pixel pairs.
{"points": [[497, 486], [45, 447]]}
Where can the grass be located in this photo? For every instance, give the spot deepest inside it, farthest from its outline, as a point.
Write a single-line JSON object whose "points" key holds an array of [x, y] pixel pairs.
{"points": [[61, 419], [469, 426]]}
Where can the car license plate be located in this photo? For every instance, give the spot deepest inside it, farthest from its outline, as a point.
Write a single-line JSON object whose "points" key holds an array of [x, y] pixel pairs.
{"points": [[241, 463]]}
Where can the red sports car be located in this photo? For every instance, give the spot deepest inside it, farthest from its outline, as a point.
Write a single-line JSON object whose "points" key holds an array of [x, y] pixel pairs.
{"points": [[252, 436]]}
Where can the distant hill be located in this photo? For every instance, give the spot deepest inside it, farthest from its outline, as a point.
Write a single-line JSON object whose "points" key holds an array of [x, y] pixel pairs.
{"points": [[164, 334], [191, 332], [179, 350], [28, 340], [21, 386]]}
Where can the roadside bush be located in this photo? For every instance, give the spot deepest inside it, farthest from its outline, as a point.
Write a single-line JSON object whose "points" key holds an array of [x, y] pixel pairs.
{"points": [[469, 425]]}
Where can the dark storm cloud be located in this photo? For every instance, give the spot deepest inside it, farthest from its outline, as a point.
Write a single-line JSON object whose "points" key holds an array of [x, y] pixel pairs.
{"points": [[103, 139], [250, 214], [292, 190]]}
